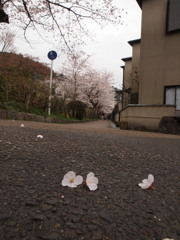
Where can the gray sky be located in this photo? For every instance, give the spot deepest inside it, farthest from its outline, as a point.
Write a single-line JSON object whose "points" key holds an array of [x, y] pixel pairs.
{"points": [[107, 48]]}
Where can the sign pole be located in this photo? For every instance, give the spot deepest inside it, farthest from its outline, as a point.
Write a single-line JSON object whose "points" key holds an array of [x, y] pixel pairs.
{"points": [[50, 89], [51, 55]]}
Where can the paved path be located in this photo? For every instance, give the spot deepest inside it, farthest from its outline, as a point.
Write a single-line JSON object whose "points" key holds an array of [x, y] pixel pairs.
{"points": [[101, 126], [35, 206]]}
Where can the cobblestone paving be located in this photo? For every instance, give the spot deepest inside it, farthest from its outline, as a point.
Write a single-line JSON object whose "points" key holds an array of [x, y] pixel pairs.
{"points": [[34, 205]]}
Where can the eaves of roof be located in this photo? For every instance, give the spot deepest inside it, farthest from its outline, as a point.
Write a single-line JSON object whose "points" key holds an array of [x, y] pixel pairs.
{"points": [[132, 42], [126, 59]]}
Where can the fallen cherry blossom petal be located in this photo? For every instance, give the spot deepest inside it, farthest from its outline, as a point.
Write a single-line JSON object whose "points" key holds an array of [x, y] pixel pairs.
{"points": [[39, 136], [71, 180], [91, 181], [147, 183]]}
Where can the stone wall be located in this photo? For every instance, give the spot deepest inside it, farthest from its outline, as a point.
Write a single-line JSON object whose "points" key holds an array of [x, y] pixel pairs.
{"points": [[7, 114], [13, 115]]}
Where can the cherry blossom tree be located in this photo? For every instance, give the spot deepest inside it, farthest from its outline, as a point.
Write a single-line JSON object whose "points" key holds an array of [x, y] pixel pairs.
{"points": [[87, 85], [98, 92], [69, 18], [74, 70]]}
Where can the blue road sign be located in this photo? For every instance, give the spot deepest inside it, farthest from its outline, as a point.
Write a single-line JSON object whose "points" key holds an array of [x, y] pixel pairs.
{"points": [[52, 55]]}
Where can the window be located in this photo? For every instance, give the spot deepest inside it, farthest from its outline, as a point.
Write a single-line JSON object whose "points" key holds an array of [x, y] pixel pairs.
{"points": [[173, 16], [178, 98], [172, 96]]}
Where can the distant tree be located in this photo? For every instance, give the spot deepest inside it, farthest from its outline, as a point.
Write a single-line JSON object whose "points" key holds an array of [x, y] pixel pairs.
{"points": [[7, 41], [65, 17], [87, 85], [74, 70]]}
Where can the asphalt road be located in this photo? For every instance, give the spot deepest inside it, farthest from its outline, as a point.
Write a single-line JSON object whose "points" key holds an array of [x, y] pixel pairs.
{"points": [[35, 206]]}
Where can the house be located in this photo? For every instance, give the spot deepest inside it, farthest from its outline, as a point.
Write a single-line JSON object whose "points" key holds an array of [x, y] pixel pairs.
{"points": [[130, 75], [151, 78]]}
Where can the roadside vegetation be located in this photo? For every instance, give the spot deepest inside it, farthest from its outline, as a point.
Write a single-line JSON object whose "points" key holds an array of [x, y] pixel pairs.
{"points": [[79, 93]]}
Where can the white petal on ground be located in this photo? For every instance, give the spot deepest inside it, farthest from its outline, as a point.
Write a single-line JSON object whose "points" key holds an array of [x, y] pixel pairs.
{"points": [[146, 183], [72, 185], [71, 174], [71, 180], [39, 136], [65, 182], [67, 178], [22, 125], [150, 178], [92, 186], [90, 175], [91, 181], [95, 180], [143, 185], [68, 183], [91, 178], [78, 180]]}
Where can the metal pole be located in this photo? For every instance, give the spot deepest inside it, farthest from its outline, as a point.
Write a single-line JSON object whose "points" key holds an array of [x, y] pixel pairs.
{"points": [[50, 89]]}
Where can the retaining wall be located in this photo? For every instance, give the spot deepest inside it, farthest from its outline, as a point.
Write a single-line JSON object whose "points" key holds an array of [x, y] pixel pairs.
{"points": [[144, 115]]}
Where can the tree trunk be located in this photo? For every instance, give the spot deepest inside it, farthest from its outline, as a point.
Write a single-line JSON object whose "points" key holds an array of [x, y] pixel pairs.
{"points": [[28, 99]]}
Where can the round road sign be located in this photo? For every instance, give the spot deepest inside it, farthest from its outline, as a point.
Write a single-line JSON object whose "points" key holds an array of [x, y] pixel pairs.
{"points": [[52, 55]]}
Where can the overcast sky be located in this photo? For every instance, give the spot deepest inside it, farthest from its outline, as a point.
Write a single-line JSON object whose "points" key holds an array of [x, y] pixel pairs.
{"points": [[107, 48]]}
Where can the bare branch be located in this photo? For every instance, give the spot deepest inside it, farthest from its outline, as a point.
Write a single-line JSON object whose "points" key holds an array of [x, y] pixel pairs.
{"points": [[26, 9], [58, 26], [65, 16]]}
